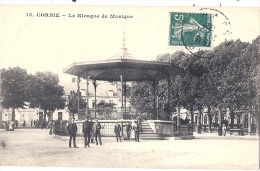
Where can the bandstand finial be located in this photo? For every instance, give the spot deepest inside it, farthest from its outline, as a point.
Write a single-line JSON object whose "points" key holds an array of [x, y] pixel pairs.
{"points": [[124, 49]]}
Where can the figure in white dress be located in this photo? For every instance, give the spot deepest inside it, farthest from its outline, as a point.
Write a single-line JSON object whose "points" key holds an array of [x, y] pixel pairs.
{"points": [[132, 131]]}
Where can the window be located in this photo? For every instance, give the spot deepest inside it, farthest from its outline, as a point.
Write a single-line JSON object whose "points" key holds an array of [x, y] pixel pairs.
{"points": [[59, 116], [40, 116], [111, 101]]}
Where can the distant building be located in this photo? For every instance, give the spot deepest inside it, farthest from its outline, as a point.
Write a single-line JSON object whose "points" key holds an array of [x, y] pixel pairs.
{"points": [[32, 114], [108, 92], [21, 115], [62, 114]]}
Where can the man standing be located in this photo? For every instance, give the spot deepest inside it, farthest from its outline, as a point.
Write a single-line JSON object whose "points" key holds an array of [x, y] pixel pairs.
{"points": [[72, 129], [24, 124], [96, 131], [136, 129], [139, 123], [117, 130], [128, 129], [86, 130], [224, 129]]}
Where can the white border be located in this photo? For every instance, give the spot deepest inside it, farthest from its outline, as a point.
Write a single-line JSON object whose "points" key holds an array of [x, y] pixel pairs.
{"points": [[216, 3]]}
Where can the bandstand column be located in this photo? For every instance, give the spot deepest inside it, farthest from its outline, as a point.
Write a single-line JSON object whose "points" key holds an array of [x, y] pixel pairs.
{"points": [[125, 95], [249, 122], [155, 84], [95, 92], [78, 82], [87, 95], [168, 96], [122, 86]]}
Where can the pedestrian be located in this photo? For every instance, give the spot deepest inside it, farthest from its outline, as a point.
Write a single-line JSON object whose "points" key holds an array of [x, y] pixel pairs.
{"points": [[133, 131], [87, 127], [117, 130], [92, 134], [136, 129], [219, 130], [96, 132], [224, 129], [31, 123], [37, 123], [24, 124], [72, 130], [51, 128], [139, 123], [16, 123], [128, 129]]}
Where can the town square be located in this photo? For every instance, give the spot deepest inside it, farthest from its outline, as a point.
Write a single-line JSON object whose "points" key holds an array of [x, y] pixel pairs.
{"points": [[203, 152], [110, 87]]}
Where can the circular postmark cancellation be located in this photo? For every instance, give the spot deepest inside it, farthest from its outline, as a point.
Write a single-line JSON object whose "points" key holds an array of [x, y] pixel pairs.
{"points": [[196, 31]]}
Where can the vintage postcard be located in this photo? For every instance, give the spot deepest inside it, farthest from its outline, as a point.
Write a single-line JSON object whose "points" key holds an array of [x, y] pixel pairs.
{"points": [[114, 86]]}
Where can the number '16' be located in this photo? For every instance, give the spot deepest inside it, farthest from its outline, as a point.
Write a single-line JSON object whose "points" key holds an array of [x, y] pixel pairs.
{"points": [[29, 15]]}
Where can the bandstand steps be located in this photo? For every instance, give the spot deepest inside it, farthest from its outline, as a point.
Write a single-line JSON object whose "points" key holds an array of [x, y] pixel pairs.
{"points": [[147, 132]]}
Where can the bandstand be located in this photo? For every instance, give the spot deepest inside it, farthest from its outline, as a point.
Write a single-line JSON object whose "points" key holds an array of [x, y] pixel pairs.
{"points": [[123, 68]]}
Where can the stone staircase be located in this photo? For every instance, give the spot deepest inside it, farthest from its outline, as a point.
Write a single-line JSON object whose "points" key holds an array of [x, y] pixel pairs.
{"points": [[148, 133]]}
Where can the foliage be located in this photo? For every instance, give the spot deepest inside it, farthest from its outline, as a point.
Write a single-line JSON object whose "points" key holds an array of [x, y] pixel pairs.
{"points": [[222, 87], [40, 90], [45, 93], [229, 77], [13, 85], [184, 86], [104, 108], [73, 102], [141, 94]]}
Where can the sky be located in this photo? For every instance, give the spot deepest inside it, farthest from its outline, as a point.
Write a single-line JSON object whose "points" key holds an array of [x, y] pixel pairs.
{"points": [[53, 43]]}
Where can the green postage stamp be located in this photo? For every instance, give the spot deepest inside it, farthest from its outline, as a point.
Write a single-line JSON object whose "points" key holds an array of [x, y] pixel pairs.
{"points": [[190, 29]]}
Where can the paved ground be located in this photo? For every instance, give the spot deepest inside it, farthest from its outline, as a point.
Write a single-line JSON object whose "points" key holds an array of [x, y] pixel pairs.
{"points": [[35, 147]]}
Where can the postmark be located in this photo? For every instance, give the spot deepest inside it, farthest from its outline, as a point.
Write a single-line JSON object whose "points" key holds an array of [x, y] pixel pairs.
{"points": [[190, 29]]}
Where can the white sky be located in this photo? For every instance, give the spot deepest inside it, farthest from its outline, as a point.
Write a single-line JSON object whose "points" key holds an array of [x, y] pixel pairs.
{"points": [[52, 44]]}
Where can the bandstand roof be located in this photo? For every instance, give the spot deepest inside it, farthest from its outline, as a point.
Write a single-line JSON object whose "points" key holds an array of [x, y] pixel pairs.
{"points": [[123, 64], [111, 69]]}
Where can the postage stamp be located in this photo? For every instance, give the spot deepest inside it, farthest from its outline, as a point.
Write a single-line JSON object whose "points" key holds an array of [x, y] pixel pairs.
{"points": [[190, 29]]}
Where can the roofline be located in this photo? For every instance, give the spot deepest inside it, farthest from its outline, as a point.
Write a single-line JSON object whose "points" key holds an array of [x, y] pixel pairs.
{"points": [[115, 60]]}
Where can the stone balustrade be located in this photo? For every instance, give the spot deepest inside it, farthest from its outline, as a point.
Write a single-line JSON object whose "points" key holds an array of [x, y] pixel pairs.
{"points": [[106, 125], [162, 128]]}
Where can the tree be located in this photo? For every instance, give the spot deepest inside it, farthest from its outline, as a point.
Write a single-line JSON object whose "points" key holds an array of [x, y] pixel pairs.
{"points": [[13, 88], [184, 88], [45, 92], [73, 103], [141, 96], [227, 78], [253, 51], [218, 82], [104, 108]]}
